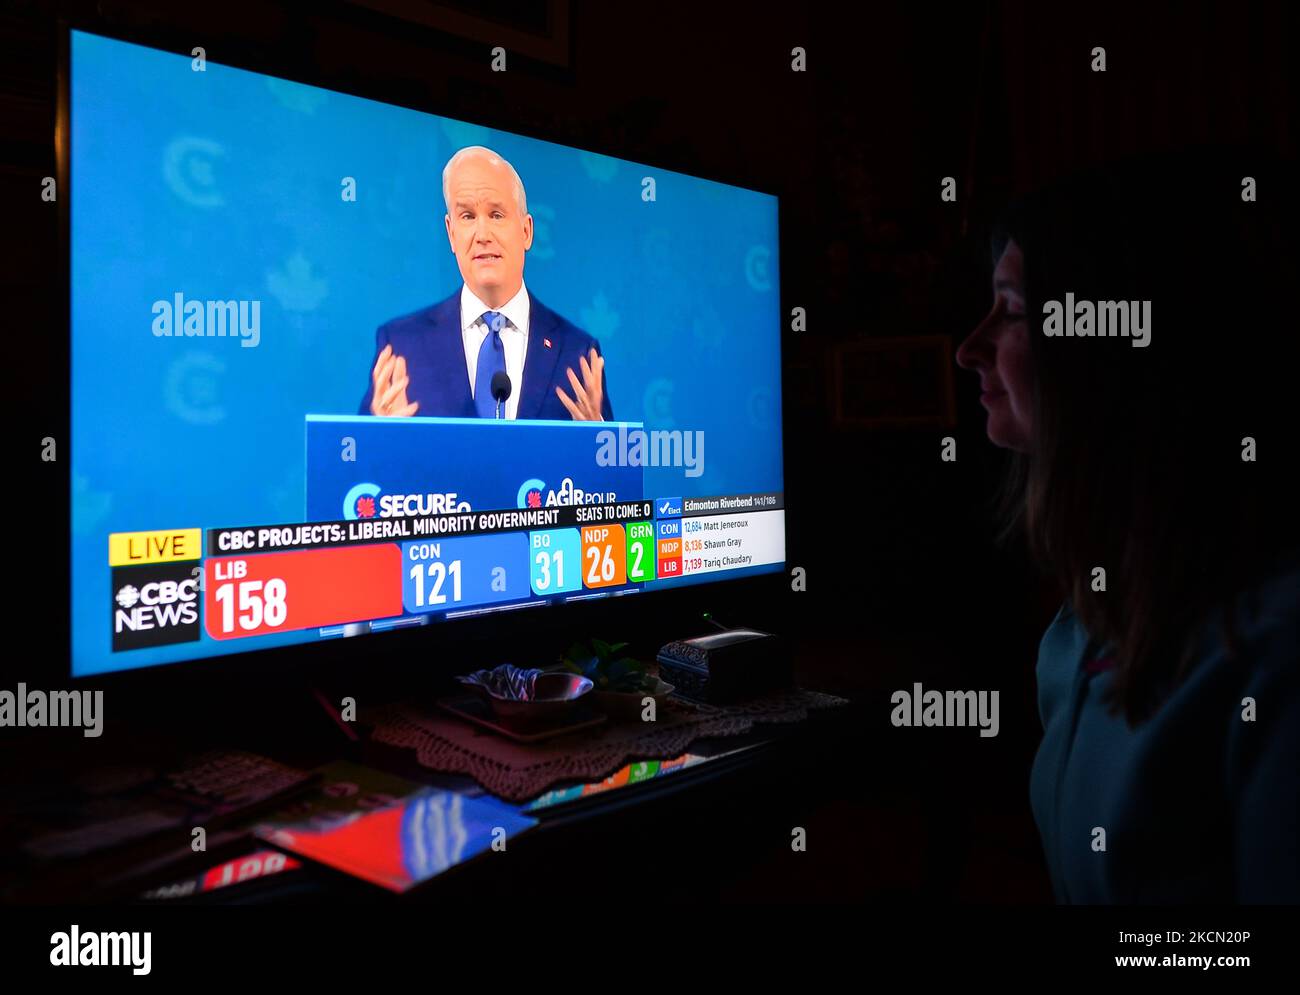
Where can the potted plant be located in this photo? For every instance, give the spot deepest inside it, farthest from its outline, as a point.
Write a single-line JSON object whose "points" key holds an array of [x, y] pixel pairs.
{"points": [[621, 682]]}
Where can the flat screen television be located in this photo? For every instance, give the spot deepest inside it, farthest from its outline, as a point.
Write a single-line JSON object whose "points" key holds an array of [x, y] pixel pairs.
{"points": [[288, 309]]}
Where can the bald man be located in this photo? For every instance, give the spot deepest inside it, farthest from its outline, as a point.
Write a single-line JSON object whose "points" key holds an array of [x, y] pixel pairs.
{"points": [[442, 360]]}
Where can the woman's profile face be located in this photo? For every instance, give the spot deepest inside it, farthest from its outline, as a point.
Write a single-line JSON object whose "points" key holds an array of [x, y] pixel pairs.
{"points": [[998, 350]]}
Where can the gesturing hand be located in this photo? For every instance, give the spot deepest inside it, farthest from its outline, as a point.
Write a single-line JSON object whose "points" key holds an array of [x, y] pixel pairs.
{"points": [[390, 383], [588, 396]]}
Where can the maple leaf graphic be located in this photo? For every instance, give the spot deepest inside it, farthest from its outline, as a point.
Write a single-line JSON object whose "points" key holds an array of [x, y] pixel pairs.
{"points": [[366, 507], [534, 499]]}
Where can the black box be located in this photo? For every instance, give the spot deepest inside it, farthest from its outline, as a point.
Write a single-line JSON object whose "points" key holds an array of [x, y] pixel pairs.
{"points": [[726, 666]]}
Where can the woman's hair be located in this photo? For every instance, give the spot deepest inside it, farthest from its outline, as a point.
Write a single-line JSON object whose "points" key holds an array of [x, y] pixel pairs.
{"points": [[1136, 462]]}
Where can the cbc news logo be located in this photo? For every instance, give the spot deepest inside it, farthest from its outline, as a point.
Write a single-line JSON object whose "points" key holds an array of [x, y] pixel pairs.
{"points": [[155, 605]]}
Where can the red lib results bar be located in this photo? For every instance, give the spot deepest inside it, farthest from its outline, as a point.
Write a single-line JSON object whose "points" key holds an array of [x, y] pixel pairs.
{"points": [[281, 592]]}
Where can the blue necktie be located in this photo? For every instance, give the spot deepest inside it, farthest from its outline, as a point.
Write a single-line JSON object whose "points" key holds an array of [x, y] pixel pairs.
{"points": [[491, 359]]}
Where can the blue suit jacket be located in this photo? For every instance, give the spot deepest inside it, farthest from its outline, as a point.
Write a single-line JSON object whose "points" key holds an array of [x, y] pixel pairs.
{"points": [[430, 339]]}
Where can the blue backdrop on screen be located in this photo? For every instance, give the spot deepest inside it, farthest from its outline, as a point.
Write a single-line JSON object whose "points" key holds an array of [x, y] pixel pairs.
{"points": [[229, 185]]}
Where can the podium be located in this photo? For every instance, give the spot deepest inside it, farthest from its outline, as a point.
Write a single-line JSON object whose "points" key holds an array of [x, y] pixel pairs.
{"points": [[364, 466], [388, 470]]}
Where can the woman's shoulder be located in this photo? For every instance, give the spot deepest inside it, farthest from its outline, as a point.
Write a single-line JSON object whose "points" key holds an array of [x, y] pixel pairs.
{"points": [[1067, 638], [1060, 653]]}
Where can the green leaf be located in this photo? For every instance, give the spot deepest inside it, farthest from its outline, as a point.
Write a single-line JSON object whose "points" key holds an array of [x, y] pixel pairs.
{"points": [[623, 670]]}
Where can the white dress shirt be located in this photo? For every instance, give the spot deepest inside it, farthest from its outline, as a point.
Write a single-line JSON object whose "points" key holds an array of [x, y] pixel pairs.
{"points": [[514, 339]]}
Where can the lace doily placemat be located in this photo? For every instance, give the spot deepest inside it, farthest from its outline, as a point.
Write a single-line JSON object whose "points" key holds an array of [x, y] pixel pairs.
{"points": [[518, 772]]}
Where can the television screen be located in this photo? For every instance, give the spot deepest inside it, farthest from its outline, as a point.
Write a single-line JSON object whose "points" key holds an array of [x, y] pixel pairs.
{"points": [[340, 366]]}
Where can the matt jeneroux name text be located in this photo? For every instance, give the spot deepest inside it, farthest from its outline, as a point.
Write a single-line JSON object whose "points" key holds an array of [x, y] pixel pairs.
{"points": [[1103, 319], [70, 709], [91, 949], [946, 708]]}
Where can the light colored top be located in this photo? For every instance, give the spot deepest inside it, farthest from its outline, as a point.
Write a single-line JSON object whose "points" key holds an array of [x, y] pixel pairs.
{"points": [[1198, 803]]}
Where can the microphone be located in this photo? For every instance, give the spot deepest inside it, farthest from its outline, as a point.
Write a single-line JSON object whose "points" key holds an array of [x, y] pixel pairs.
{"points": [[500, 388]]}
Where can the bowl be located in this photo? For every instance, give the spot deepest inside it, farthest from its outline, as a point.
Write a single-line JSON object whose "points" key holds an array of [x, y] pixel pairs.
{"points": [[527, 696]]}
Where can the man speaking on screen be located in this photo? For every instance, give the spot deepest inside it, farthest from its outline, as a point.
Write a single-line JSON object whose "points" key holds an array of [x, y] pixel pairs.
{"points": [[492, 349]]}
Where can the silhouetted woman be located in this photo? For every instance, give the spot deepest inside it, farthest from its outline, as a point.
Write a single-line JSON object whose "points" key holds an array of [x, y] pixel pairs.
{"points": [[1156, 483]]}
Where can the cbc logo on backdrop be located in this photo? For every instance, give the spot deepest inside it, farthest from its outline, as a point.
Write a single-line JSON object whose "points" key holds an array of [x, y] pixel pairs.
{"points": [[155, 605]]}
